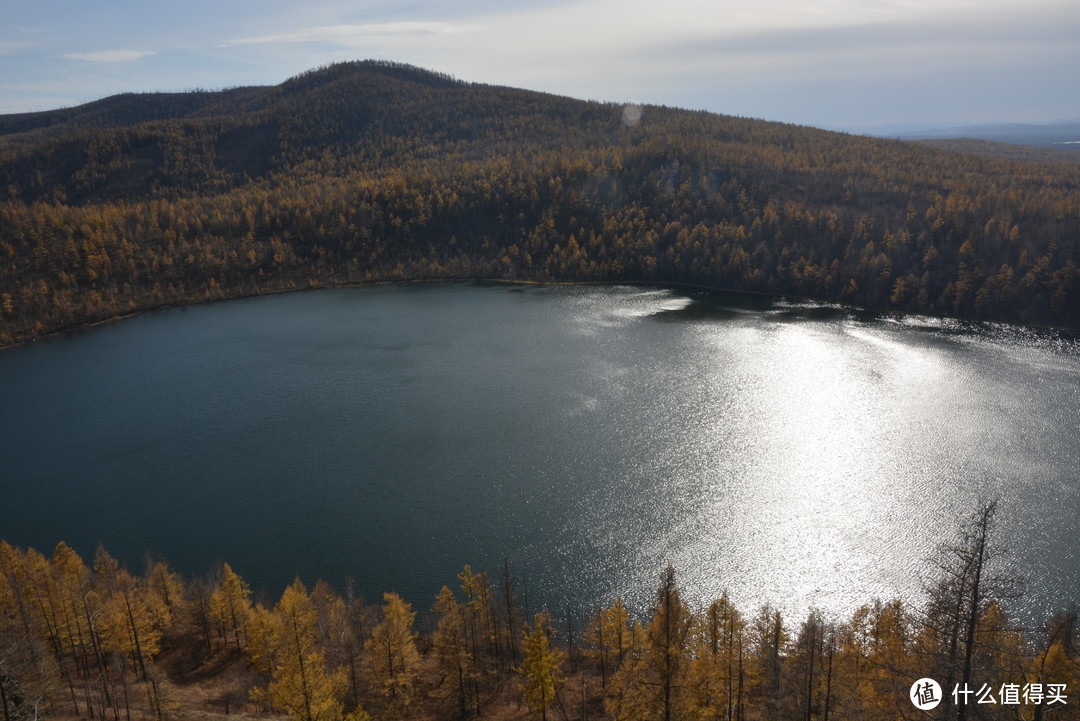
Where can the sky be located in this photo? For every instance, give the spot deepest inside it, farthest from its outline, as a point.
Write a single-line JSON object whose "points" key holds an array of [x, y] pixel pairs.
{"points": [[857, 65]]}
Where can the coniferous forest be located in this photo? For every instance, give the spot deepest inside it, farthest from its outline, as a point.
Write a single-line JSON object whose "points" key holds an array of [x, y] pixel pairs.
{"points": [[379, 172], [374, 171], [99, 642]]}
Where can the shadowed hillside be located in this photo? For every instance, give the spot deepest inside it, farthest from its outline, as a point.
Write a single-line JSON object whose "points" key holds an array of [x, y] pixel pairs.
{"points": [[374, 171]]}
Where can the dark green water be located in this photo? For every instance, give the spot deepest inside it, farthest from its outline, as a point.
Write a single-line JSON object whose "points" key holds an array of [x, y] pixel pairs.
{"points": [[793, 454]]}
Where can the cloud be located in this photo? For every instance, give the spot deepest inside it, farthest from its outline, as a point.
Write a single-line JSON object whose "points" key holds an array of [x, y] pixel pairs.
{"points": [[109, 56], [624, 42], [349, 35], [937, 50], [787, 59]]}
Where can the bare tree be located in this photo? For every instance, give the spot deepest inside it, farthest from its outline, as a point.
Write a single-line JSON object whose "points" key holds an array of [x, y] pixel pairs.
{"points": [[964, 599]]}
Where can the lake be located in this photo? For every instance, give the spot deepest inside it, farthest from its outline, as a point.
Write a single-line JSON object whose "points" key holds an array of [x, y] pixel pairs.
{"points": [[793, 453]]}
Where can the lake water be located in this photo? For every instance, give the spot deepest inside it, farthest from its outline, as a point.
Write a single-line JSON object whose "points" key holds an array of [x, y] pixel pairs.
{"points": [[791, 453]]}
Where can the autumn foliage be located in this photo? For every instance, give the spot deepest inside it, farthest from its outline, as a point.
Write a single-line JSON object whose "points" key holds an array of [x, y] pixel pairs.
{"points": [[103, 643], [365, 172]]}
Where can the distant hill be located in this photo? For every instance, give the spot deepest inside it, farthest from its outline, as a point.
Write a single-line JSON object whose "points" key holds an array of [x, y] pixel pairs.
{"points": [[125, 110], [121, 146], [375, 171], [1009, 151], [1064, 135]]}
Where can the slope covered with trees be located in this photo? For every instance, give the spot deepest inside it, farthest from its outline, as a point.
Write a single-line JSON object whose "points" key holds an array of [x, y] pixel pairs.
{"points": [[370, 171], [101, 643], [1006, 151]]}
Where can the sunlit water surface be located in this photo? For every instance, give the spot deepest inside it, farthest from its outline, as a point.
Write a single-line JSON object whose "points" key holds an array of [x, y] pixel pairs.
{"points": [[792, 454]]}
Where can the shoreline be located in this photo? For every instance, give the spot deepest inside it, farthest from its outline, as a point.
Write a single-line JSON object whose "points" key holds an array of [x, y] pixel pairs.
{"points": [[510, 281]]}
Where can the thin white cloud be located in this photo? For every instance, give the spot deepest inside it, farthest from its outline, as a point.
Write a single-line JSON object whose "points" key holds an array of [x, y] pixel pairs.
{"points": [[348, 35], [109, 56], [618, 44], [788, 59]]}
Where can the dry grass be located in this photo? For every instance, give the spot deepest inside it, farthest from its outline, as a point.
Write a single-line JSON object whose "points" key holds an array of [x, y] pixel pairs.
{"points": [[217, 687]]}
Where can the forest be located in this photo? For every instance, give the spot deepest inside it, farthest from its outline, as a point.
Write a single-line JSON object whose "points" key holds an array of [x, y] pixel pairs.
{"points": [[99, 642], [371, 171]]}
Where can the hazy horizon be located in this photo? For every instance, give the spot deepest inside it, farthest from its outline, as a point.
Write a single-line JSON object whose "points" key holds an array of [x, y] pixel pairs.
{"points": [[884, 129], [838, 64]]}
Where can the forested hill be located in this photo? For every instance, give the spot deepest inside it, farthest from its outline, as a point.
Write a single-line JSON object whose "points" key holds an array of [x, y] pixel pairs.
{"points": [[374, 171], [1008, 151]]}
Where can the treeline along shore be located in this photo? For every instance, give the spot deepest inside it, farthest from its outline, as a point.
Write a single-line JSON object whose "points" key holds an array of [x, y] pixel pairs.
{"points": [[375, 171], [99, 642]]}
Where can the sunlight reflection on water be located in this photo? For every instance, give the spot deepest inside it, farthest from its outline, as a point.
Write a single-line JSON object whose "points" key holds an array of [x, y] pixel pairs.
{"points": [[817, 464], [794, 454]]}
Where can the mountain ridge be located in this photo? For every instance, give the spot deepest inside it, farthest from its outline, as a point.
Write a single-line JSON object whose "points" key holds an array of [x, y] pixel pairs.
{"points": [[376, 171], [188, 103]]}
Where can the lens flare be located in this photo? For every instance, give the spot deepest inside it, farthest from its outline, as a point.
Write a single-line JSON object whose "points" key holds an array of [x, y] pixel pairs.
{"points": [[631, 115]]}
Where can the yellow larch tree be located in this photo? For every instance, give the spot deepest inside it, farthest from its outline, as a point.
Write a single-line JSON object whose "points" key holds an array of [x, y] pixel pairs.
{"points": [[129, 627], [651, 684], [262, 638], [715, 666], [28, 674], [301, 685], [166, 596], [541, 668], [451, 648], [608, 638], [337, 634], [1057, 666], [75, 588], [127, 621], [230, 604], [392, 655]]}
